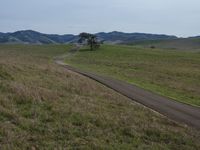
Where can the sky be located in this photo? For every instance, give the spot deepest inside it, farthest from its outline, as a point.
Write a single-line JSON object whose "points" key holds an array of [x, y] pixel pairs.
{"points": [[173, 17]]}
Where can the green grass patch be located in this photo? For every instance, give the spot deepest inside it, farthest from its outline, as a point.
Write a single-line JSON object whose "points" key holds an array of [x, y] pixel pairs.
{"points": [[45, 106], [171, 73], [182, 44]]}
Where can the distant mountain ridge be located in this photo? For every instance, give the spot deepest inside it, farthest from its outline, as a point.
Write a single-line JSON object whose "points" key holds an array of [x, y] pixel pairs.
{"points": [[33, 37]]}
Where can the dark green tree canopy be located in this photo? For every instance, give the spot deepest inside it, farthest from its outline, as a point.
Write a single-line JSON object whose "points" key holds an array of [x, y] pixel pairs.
{"points": [[90, 39]]}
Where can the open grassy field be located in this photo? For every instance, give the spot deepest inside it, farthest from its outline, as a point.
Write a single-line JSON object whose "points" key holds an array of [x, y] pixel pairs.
{"points": [[43, 106], [171, 73], [183, 44]]}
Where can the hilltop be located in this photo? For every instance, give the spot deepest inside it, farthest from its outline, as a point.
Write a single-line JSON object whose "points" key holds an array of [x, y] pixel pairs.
{"points": [[33, 37], [121, 37]]}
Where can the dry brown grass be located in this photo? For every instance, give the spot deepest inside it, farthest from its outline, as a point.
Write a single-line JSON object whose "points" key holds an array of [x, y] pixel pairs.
{"points": [[44, 106]]}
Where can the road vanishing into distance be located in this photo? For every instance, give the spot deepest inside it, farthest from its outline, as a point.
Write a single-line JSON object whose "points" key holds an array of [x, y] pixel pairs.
{"points": [[179, 112]]}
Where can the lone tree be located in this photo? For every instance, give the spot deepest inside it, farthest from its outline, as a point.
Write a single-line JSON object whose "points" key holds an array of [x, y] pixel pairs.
{"points": [[90, 39]]}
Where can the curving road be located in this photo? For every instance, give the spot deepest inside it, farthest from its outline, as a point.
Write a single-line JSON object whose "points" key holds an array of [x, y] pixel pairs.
{"points": [[176, 111]]}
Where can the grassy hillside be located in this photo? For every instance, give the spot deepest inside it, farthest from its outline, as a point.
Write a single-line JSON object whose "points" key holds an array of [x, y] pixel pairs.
{"points": [[174, 74], [189, 44], [43, 106]]}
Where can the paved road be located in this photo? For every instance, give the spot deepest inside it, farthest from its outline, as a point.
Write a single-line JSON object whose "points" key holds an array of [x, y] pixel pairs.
{"points": [[176, 111]]}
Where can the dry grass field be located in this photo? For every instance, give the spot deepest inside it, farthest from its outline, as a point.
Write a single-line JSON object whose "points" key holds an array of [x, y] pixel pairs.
{"points": [[44, 106]]}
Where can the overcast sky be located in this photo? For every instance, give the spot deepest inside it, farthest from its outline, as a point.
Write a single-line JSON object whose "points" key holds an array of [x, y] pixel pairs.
{"points": [[174, 17]]}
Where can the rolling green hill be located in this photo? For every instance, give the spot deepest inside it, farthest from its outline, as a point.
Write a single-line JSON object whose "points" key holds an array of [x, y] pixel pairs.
{"points": [[178, 44], [44, 106], [172, 73]]}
